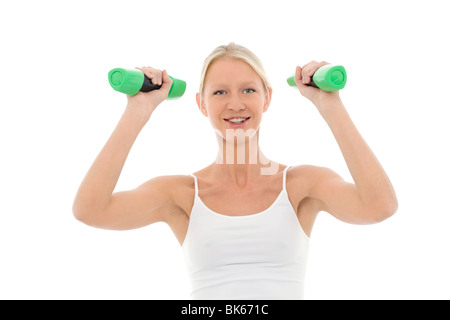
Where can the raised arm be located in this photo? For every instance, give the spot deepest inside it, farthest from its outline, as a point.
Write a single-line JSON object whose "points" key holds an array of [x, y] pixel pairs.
{"points": [[95, 204], [372, 197]]}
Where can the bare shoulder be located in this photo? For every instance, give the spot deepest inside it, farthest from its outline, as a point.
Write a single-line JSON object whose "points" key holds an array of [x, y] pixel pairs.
{"points": [[179, 188], [180, 192], [305, 180], [311, 175], [329, 192], [163, 198], [169, 182], [159, 199], [308, 175], [300, 182]]}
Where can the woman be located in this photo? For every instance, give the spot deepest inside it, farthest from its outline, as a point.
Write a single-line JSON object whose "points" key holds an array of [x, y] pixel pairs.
{"points": [[244, 221]]}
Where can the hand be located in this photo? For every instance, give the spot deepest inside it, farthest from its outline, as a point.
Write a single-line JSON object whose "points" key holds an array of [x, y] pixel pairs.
{"points": [[321, 99], [144, 103]]}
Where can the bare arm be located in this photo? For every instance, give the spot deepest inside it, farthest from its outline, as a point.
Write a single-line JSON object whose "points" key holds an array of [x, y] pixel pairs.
{"points": [[372, 197], [95, 204]]}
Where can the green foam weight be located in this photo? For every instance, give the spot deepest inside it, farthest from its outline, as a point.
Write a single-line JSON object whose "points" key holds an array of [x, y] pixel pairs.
{"points": [[327, 78], [131, 81]]}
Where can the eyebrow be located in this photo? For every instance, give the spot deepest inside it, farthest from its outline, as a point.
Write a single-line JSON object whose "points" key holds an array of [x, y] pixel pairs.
{"points": [[242, 84]]}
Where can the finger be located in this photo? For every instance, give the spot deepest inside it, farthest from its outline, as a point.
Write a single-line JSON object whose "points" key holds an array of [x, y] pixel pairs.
{"points": [[306, 75], [156, 76], [298, 75], [153, 77], [149, 72], [166, 81], [310, 69], [160, 81], [314, 66]]}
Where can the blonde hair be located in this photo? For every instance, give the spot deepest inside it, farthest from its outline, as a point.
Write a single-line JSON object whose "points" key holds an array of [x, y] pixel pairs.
{"points": [[234, 50]]}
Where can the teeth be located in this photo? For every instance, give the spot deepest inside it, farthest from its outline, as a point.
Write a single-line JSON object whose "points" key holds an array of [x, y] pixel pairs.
{"points": [[237, 120]]}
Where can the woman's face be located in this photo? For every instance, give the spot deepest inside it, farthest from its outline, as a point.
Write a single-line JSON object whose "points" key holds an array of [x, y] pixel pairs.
{"points": [[233, 96]]}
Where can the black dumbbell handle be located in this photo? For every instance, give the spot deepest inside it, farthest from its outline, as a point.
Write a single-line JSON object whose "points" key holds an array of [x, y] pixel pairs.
{"points": [[312, 83], [147, 85]]}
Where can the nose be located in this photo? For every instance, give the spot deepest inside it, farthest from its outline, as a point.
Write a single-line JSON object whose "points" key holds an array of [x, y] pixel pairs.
{"points": [[235, 103]]}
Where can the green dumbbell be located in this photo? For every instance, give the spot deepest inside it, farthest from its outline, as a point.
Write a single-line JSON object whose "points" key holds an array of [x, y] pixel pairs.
{"points": [[131, 81], [328, 78]]}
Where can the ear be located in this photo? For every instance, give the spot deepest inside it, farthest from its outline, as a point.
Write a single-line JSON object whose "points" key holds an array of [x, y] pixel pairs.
{"points": [[201, 104], [268, 99]]}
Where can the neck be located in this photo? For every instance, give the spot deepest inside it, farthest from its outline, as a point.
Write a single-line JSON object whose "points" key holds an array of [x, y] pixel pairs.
{"points": [[240, 160]]}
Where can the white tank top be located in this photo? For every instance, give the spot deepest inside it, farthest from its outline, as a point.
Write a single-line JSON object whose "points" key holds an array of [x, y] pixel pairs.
{"points": [[257, 256]]}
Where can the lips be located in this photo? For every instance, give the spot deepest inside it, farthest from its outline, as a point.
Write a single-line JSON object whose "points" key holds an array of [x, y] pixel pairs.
{"points": [[237, 120]]}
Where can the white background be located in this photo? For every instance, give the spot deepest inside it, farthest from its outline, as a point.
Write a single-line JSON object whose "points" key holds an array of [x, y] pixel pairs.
{"points": [[57, 110]]}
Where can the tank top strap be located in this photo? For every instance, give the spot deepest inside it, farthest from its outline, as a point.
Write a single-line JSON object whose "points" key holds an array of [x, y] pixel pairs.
{"points": [[284, 177], [196, 185]]}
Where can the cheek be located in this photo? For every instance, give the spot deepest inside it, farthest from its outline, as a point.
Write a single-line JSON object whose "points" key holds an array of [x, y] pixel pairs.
{"points": [[213, 116], [258, 105]]}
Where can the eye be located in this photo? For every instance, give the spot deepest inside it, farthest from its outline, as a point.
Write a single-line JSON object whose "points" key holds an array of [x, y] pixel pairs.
{"points": [[249, 90], [219, 92]]}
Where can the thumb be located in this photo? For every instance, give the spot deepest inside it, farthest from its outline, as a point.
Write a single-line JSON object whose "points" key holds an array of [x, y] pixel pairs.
{"points": [[298, 75], [166, 82], [305, 90]]}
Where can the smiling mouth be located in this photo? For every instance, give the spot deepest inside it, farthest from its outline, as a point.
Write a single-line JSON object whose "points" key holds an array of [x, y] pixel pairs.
{"points": [[236, 120]]}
